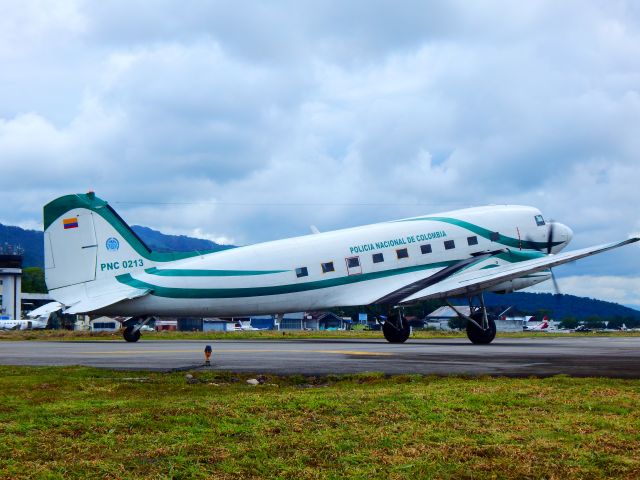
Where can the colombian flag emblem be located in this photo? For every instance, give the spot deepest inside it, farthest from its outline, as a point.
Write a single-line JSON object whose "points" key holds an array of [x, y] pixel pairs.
{"points": [[70, 222]]}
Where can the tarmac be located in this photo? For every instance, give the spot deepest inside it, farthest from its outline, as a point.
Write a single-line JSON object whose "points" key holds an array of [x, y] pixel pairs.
{"points": [[541, 356]]}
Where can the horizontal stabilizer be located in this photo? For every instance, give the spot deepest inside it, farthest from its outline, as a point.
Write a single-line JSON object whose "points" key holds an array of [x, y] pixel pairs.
{"points": [[90, 304], [45, 309]]}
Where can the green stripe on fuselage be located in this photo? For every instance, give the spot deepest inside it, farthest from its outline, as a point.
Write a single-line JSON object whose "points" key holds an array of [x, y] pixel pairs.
{"points": [[175, 292], [485, 233], [174, 272]]}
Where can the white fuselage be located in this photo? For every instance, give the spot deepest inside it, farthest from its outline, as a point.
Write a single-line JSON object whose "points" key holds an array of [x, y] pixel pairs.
{"points": [[270, 277], [23, 324]]}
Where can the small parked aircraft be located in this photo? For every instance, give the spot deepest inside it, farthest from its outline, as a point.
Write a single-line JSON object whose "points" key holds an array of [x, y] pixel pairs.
{"points": [[7, 323], [95, 263], [539, 327]]}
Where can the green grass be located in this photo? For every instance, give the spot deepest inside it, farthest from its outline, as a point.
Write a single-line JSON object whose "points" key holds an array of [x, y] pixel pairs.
{"points": [[87, 423], [65, 335]]}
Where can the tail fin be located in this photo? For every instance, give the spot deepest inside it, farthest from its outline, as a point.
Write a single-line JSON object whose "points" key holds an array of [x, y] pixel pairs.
{"points": [[85, 240]]}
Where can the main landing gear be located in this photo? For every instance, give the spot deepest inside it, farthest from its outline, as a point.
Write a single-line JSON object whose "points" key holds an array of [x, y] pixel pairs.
{"points": [[481, 329], [131, 333], [396, 329]]}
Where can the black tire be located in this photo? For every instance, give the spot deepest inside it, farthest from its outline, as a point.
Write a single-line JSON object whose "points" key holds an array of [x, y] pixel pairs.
{"points": [[131, 336], [395, 334], [479, 336]]}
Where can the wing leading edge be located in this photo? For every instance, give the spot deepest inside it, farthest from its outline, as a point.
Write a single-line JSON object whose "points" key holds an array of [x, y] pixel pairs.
{"points": [[472, 282]]}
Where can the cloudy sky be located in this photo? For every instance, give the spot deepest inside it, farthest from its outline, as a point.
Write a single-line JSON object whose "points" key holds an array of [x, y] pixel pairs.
{"points": [[249, 121]]}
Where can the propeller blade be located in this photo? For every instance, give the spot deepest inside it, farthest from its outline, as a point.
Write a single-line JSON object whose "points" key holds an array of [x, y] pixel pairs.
{"points": [[534, 244], [556, 288], [550, 237]]}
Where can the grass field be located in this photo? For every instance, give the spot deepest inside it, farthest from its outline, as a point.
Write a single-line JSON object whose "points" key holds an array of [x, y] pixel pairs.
{"points": [[66, 335], [86, 423]]}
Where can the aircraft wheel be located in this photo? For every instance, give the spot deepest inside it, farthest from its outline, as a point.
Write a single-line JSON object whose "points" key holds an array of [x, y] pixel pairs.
{"points": [[394, 333], [130, 335], [478, 335]]}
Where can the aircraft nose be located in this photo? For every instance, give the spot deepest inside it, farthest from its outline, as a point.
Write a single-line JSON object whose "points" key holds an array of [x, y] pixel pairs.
{"points": [[566, 232], [563, 233]]}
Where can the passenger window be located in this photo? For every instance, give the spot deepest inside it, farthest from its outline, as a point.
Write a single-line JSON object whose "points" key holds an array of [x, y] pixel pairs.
{"points": [[402, 253], [495, 236], [449, 244], [353, 262], [327, 267], [302, 272], [472, 240], [539, 220], [425, 248], [377, 258]]}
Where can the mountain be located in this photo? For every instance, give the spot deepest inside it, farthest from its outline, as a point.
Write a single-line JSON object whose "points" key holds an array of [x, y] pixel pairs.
{"points": [[559, 306], [31, 242], [160, 242]]}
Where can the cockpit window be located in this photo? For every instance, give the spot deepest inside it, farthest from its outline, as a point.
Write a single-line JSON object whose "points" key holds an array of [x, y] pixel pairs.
{"points": [[539, 220]]}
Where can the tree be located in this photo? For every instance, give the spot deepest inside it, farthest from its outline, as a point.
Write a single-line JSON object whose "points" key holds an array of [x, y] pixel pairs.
{"points": [[33, 280], [615, 323], [594, 321], [569, 323], [543, 312]]}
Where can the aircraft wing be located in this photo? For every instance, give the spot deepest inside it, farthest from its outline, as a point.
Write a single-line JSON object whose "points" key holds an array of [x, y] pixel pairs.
{"points": [[472, 282], [90, 304]]}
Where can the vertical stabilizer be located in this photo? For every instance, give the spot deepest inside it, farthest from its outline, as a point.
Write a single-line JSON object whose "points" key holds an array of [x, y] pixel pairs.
{"points": [[86, 240]]}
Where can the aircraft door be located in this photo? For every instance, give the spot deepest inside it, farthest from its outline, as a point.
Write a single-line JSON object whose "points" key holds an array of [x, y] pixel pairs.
{"points": [[353, 265]]}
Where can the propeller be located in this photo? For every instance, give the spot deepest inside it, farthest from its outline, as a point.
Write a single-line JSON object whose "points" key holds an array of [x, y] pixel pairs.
{"points": [[548, 248], [550, 236], [549, 243]]}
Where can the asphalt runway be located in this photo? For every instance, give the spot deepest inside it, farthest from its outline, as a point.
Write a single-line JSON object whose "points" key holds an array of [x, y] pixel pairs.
{"points": [[537, 356]]}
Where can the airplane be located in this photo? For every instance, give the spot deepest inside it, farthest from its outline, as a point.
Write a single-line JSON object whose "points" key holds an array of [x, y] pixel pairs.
{"points": [[95, 263], [540, 327], [245, 327], [7, 323]]}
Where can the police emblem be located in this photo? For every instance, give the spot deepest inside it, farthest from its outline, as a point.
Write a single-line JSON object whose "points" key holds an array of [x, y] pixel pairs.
{"points": [[112, 244]]}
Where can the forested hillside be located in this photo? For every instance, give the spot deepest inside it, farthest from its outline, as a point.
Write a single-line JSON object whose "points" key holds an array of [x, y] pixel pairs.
{"points": [[31, 242], [560, 306]]}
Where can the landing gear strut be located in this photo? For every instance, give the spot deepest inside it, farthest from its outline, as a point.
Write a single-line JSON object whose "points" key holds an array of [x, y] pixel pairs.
{"points": [[481, 329], [131, 333], [396, 328]]}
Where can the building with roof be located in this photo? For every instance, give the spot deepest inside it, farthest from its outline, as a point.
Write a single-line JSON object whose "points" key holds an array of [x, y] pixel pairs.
{"points": [[439, 319], [105, 324]]}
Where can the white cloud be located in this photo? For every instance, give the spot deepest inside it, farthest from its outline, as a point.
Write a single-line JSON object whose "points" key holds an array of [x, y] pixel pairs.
{"points": [[29, 25]]}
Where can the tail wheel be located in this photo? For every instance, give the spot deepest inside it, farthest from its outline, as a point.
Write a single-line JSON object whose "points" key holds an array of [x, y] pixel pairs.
{"points": [[130, 335], [478, 335], [395, 333]]}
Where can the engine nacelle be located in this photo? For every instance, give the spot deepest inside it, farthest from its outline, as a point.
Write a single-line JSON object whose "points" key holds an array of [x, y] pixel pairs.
{"points": [[520, 283]]}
